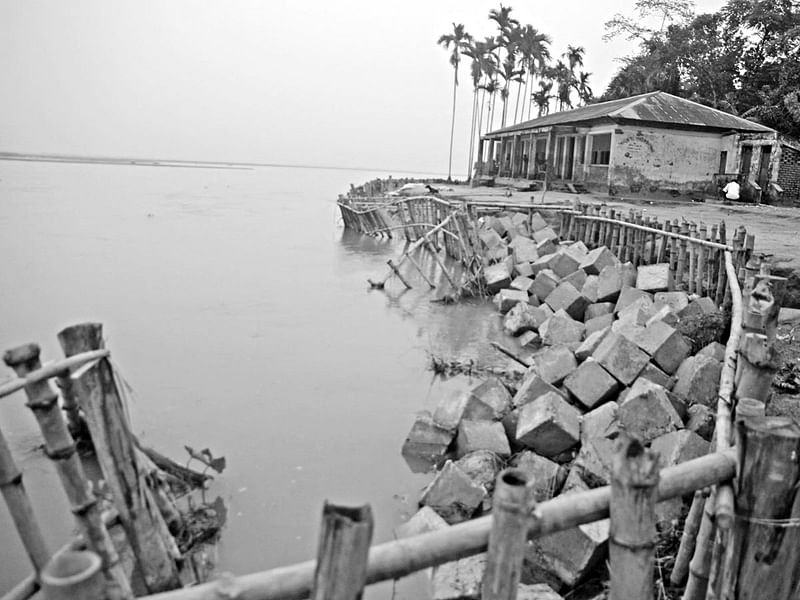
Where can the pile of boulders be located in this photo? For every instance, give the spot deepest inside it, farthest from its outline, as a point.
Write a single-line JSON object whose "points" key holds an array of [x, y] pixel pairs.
{"points": [[608, 358]]}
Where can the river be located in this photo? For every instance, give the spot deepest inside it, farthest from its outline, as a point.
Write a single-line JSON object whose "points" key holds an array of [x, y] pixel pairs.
{"points": [[236, 306]]}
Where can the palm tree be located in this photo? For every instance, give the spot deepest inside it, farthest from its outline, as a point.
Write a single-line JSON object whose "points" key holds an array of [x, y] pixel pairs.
{"points": [[534, 56], [455, 42], [482, 66], [562, 77], [585, 94], [508, 27], [543, 96], [509, 73]]}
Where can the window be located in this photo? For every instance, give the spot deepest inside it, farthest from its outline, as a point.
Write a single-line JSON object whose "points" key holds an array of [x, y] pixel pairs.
{"points": [[601, 149]]}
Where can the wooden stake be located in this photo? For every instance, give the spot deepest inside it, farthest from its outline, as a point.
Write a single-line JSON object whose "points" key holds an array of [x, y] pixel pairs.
{"points": [[60, 447], [722, 286], [19, 506], [344, 543], [761, 558], [73, 575], [511, 516], [632, 536], [688, 539], [102, 406]]}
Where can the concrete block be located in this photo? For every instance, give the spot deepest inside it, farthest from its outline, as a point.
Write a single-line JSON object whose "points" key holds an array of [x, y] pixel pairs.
{"points": [[629, 274], [702, 421], [715, 350], [489, 401], [600, 422], [576, 278], [546, 233], [564, 263], [459, 580], [426, 445], [544, 284], [598, 324], [523, 270], [596, 260], [656, 375], [674, 448], [543, 262], [490, 238], [609, 283], [548, 425], [450, 410], [594, 461], [697, 380], [524, 250], [523, 284], [666, 346], [498, 276], [529, 339], [537, 591], [548, 476], [424, 520], [537, 222], [621, 357], [561, 329], [677, 301], [664, 314], [554, 363], [591, 385], [589, 345], [482, 466], [570, 555], [589, 288], [699, 307], [496, 254], [505, 300], [646, 412], [566, 297], [481, 435], [630, 296], [654, 278], [574, 483], [524, 317], [532, 387], [452, 494], [546, 247], [597, 309]]}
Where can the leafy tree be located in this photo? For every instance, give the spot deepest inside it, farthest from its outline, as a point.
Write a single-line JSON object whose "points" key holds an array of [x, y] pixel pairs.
{"points": [[456, 42]]}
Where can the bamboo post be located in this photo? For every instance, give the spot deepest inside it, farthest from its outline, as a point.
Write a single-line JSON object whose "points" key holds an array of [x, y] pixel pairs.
{"points": [[151, 543], [511, 516], [422, 273], [653, 256], [761, 558], [396, 271], [60, 447], [701, 260], [690, 528], [441, 264], [610, 227], [74, 574], [632, 536], [615, 237], [722, 274], [19, 506], [692, 258], [344, 543], [700, 565], [682, 254]]}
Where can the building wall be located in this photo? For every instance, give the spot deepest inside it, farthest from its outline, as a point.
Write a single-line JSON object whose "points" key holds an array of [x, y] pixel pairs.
{"points": [[789, 171], [657, 160]]}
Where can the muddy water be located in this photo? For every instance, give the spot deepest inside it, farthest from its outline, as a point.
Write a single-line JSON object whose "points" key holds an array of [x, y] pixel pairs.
{"points": [[236, 307]]}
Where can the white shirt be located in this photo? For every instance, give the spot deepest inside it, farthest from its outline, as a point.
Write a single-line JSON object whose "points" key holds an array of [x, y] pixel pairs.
{"points": [[731, 190]]}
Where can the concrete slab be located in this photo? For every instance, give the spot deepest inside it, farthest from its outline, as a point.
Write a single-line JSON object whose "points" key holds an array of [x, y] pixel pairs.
{"points": [[426, 445], [654, 278], [453, 495], [566, 297], [621, 357], [698, 380], [554, 363], [561, 329], [591, 385], [548, 425], [646, 412]]}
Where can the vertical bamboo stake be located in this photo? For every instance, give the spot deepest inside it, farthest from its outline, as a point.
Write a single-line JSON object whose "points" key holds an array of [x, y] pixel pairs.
{"points": [[692, 258], [686, 548], [19, 506], [701, 260], [511, 515], [147, 533], [609, 239], [72, 575], [722, 285], [632, 537], [699, 567], [681, 269], [60, 447], [615, 237], [762, 556], [344, 543]]}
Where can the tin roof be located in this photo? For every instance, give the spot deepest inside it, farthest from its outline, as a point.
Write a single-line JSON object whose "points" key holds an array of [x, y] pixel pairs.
{"points": [[654, 107]]}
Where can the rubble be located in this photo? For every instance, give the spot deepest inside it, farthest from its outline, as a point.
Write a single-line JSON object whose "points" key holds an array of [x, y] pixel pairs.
{"points": [[548, 425]]}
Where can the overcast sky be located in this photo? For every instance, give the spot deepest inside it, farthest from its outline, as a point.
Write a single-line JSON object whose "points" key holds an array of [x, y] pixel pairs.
{"points": [[357, 83]]}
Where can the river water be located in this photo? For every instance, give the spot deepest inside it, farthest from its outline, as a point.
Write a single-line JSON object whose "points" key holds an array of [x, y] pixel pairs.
{"points": [[236, 306]]}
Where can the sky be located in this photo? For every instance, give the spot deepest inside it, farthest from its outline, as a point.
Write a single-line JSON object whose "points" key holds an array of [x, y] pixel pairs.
{"points": [[350, 83]]}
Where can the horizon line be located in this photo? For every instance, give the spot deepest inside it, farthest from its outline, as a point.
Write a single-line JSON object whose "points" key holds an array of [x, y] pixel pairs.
{"points": [[166, 162]]}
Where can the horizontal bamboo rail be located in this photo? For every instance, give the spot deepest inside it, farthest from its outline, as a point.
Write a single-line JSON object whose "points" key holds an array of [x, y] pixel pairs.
{"points": [[51, 369], [392, 560]]}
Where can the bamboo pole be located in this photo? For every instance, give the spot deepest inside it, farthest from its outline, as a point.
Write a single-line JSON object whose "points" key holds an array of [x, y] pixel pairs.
{"points": [[511, 515], [701, 261], [344, 543], [60, 447], [699, 567], [396, 271], [672, 235], [399, 558], [51, 369], [692, 258], [441, 264], [74, 574], [151, 543], [682, 257], [686, 549], [422, 273], [20, 509], [722, 284], [761, 558], [632, 536]]}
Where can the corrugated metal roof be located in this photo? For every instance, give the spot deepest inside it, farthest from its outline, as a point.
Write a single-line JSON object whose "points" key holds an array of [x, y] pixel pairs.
{"points": [[653, 107]]}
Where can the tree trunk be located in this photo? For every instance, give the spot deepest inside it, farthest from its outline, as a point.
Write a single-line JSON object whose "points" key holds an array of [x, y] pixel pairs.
{"points": [[452, 126]]}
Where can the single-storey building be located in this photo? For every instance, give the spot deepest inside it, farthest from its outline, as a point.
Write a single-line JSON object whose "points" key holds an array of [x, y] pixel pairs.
{"points": [[654, 143]]}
